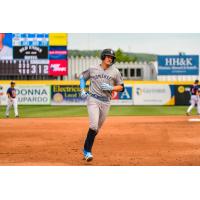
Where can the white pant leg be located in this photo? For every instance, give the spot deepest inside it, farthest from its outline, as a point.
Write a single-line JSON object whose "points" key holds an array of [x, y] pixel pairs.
{"points": [[15, 105], [9, 105], [198, 106], [193, 101]]}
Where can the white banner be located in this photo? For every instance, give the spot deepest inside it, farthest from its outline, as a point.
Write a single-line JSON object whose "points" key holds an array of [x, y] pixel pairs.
{"points": [[153, 94], [29, 94]]}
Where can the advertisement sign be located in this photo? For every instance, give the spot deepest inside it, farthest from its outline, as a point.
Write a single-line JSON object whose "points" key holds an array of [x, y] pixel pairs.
{"points": [[57, 52], [29, 94], [123, 98], [24, 67], [58, 68], [153, 94], [66, 95], [70, 95], [58, 39], [182, 94], [30, 39], [6, 46], [178, 65], [30, 52]]}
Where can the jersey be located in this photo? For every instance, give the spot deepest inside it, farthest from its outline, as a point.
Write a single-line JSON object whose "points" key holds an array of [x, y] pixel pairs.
{"points": [[194, 89], [98, 75], [12, 92]]}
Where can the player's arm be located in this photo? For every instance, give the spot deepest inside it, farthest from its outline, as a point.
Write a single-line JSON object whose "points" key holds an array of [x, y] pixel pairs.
{"points": [[9, 97], [118, 87], [83, 79], [8, 94], [82, 82]]}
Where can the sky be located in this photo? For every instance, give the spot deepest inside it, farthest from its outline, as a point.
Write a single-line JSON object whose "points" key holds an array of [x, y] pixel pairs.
{"points": [[156, 43]]}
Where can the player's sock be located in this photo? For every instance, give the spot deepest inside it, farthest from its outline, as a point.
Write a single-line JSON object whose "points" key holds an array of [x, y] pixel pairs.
{"points": [[190, 108], [90, 140]]}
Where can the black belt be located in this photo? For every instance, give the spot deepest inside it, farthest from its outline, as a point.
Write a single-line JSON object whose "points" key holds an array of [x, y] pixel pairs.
{"points": [[105, 99]]}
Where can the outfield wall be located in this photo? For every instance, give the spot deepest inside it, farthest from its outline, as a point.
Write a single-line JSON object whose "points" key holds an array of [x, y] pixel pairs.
{"points": [[68, 93]]}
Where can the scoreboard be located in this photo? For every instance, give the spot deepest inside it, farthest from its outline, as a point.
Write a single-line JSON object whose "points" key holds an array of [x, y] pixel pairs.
{"points": [[30, 39], [35, 54], [23, 67]]}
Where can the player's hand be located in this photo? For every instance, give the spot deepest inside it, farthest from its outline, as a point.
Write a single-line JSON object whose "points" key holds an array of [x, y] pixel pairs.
{"points": [[84, 94], [106, 87]]}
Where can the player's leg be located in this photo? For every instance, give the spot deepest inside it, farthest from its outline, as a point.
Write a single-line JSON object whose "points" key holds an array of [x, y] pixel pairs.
{"points": [[198, 106], [193, 102], [15, 105], [104, 109], [9, 104], [93, 111]]}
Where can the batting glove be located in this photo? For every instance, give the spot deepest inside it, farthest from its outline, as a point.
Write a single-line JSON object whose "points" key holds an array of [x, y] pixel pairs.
{"points": [[84, 94], [107, 87]]}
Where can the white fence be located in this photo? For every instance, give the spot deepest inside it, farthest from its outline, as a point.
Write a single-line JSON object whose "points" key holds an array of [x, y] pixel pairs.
{"points": [[76, 65]]}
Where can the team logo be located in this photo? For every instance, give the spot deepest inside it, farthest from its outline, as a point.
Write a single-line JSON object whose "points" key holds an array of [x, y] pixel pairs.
{"points": [[138, 91], [58, 97], [181, 89]]}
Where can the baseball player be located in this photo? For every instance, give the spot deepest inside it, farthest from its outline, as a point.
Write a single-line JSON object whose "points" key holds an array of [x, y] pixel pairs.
{"points": [[194, 91], [12, 100], [1, 93], [104, 79]]}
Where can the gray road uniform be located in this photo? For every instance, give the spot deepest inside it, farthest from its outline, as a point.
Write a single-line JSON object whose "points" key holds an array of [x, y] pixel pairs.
{"points": [[98, 101]]}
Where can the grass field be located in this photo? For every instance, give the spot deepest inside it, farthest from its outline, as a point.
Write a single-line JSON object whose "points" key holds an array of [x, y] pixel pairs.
{"points": [[66, 111]]}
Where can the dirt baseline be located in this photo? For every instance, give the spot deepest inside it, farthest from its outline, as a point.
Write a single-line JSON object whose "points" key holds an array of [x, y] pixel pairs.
{"points": [[125, 141]]}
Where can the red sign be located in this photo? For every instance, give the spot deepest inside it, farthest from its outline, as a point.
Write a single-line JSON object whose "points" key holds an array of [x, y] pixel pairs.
{"points": [[115, 95], [58, 68]]}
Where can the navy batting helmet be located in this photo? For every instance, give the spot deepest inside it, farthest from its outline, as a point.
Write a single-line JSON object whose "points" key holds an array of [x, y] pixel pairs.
{"points": [[108, 52]]}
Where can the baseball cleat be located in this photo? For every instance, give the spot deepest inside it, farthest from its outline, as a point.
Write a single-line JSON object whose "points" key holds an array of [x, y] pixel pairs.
{"points": [[88, 156], [187, 113]]}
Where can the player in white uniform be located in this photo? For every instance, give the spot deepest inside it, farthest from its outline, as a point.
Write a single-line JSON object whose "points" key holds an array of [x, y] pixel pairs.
{"points": [[195, 100], [12, 100]]}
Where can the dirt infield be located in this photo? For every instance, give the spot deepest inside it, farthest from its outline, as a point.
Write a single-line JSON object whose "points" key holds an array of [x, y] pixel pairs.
{"points": [[122, 141]]}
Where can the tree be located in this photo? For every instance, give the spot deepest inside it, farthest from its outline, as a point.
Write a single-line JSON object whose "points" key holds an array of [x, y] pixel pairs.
{"points": [[122, 57]]}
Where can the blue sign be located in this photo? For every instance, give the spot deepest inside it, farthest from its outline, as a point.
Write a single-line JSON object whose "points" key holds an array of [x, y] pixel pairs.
{"points": [[127, 94], [57, 52], [8, 40], [178, 65], [30, 39]]}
